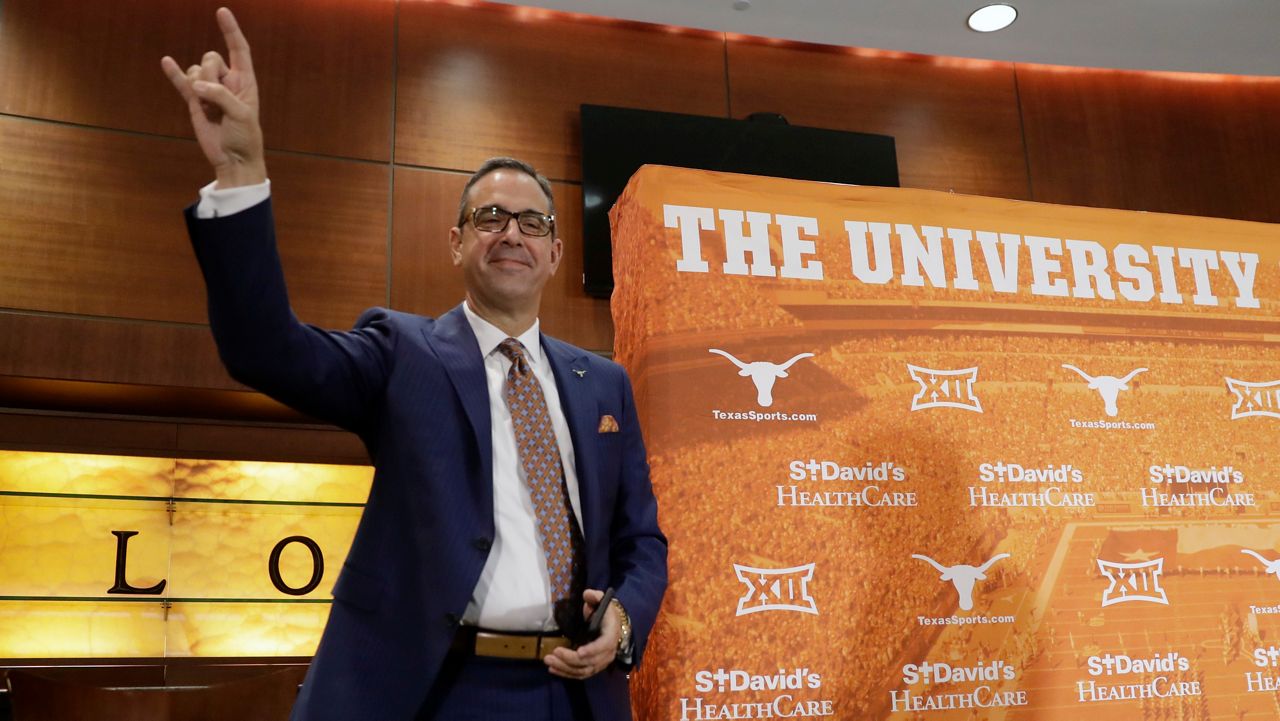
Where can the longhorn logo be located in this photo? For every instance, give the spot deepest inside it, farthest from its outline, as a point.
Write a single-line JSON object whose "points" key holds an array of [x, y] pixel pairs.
{"points": [[1133, 582], [1254, 399], [763, 373], [963, 577], [1108, 387], [1272, 567]]}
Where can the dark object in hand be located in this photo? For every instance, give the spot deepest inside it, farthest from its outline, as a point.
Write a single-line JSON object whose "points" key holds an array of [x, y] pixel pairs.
{"points": [[579, 630]]}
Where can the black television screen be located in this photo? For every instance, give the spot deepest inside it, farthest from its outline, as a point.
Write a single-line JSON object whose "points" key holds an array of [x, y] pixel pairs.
{"points": [[617, 141]]}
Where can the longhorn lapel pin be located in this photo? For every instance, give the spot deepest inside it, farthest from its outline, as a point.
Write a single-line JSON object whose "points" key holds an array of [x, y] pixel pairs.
{"points": [[582, 372]]}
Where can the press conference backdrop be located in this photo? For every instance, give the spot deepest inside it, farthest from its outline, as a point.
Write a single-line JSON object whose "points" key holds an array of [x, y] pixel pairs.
{"points": [[923, 455]]}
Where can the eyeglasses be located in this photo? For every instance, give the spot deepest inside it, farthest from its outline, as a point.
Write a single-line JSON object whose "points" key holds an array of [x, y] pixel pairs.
{"points": [[493, 219]]}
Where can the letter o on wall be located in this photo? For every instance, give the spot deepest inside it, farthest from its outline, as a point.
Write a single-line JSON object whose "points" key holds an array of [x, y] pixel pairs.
{"points": [[317, 566]]}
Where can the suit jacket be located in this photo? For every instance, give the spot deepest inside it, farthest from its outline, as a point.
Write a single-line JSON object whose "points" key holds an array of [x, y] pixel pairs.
{"points": [[413, 388]]}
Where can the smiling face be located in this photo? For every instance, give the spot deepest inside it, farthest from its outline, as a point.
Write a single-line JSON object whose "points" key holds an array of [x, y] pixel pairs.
{"points": [[505, 272]]}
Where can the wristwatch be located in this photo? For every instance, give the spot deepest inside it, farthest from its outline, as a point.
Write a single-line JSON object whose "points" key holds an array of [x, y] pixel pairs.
{"points": [[624, 633]]}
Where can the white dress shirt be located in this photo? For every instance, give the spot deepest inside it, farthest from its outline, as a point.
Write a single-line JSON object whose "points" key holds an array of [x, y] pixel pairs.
{"points": [[514, 591]]}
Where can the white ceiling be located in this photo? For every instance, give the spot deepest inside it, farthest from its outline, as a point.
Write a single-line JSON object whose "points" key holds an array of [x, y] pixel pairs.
{"points": [[1210, 36]]}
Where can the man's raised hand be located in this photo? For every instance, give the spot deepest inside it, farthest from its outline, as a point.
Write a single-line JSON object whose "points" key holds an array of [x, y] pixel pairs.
{"points": [[223, 102]]}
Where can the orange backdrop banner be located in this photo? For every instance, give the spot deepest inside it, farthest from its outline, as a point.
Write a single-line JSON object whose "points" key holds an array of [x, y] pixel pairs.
{"points": [[922, 455]]}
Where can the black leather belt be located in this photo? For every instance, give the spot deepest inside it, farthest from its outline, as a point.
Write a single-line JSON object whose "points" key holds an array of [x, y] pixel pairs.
{"points": [[531, 646]]}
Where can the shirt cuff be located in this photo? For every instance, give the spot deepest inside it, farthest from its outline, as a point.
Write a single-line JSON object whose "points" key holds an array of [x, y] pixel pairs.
{"points": [[221, 202], [626, 656]]}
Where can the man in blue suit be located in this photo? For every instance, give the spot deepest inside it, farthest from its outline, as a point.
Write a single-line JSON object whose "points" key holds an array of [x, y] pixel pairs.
{"points": [[511, 482]]}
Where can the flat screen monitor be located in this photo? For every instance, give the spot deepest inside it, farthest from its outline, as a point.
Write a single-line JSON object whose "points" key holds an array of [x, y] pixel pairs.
{"points": [[617, 141]]}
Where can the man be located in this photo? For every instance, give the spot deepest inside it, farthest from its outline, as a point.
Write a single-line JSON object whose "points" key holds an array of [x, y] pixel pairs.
{"points": [[510, 471]]}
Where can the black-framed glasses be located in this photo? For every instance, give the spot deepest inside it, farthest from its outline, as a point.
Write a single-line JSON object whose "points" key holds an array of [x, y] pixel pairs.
{"points": [[492, 219]]}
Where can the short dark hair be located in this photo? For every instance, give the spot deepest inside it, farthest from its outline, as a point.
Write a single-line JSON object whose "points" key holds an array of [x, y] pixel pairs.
{"points": [[505, 163]]}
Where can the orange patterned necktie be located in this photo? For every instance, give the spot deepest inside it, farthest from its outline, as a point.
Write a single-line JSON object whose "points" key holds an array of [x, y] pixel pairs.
{"points": [[540, 457]]}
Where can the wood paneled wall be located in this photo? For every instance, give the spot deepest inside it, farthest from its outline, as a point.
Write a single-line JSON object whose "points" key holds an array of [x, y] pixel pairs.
{"points": [[375, 111]]}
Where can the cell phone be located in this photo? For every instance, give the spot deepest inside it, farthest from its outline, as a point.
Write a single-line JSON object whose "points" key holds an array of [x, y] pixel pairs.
{"points": [[597, 616]]}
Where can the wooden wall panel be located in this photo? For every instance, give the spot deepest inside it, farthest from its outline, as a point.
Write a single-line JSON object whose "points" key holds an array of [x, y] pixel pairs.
{"points": [[110, 351], [143, 400], [100, 212], [324, 66], [65, 433], [332, 225], [494, 80], [567, 311], [152, 437], [425, 281], [955, 122], [266, 443], [1197, 145]]}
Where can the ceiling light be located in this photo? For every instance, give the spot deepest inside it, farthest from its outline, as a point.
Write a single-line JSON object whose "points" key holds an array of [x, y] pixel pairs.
{"points": [[992, 18], [741, 4]]}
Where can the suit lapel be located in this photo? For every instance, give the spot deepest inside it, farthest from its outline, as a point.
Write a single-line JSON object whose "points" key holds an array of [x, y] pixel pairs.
{"points": [[579, 406], [459, 352]]}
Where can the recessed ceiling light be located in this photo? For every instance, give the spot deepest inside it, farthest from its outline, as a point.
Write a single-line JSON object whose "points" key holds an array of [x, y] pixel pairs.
{"points": [[992, 18], [741, 4]]}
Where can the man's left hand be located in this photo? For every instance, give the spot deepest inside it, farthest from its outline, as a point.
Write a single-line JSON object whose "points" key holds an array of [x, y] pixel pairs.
{"points": [[592, 658]]}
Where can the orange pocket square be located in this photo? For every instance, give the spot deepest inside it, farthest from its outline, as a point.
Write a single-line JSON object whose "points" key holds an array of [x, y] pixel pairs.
{"points": [[608, 424]]}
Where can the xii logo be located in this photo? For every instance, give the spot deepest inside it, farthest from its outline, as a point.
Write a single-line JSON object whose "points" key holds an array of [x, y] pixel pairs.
{"points": [[776, 589], [1133, 582], [945, 388], [1254, 399]]}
